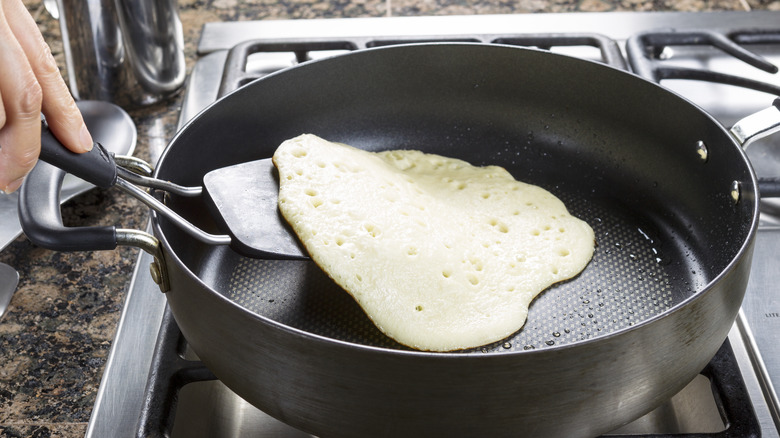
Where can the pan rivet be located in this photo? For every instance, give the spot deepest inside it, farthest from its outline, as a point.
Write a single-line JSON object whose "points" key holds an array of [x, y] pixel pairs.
{"points": [[154, 269], [701, 149], [735, 191]]}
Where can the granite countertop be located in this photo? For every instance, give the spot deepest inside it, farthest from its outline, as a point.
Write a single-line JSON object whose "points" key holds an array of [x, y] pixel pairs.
{"points": [[56, 335]]}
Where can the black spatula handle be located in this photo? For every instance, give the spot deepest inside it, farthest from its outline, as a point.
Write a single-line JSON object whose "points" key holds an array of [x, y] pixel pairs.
{"points": [[96, 166]]}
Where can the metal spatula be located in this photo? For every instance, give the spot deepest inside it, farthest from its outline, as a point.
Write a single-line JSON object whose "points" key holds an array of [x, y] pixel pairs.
{"points": [[258, 231]]}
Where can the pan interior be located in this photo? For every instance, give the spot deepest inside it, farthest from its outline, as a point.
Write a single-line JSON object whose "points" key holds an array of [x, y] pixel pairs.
{"points": [[631, 278]]}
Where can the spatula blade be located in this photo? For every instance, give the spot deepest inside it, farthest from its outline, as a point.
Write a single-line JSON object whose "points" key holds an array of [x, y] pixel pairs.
{"points": [[245, 197]]}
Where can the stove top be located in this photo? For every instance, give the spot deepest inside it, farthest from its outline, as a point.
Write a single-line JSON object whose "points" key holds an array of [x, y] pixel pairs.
{"points": [[752, 354]]}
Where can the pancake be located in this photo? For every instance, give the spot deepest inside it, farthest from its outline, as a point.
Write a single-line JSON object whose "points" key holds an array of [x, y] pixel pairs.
{"points": [[440, 254]]}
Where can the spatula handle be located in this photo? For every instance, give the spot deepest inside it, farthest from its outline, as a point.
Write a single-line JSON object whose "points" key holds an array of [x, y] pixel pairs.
{"points": [[96, 166]]}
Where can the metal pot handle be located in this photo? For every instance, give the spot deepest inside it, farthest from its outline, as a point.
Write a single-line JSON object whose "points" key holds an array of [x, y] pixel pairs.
{"points": [[758, 125], [754, 127]]}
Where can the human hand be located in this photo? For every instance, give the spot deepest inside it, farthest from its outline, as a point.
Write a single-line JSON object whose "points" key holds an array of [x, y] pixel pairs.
{"points": [[31, 84]]}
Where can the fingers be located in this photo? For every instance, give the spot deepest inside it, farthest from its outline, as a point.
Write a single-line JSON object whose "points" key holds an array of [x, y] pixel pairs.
{"points": [[21, 97], [30, 82], [62, 114]]}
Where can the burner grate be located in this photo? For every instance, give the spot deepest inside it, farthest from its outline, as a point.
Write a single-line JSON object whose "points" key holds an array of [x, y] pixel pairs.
{"points": [[647, 55], [236, 74]]}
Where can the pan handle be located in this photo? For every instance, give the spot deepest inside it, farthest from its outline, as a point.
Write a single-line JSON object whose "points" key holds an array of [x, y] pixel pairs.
{"points": [[41, 219], [39, 197], [39, 214], [758, 125]]}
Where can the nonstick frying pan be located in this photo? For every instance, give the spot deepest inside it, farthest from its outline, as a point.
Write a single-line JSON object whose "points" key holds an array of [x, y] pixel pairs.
{"points": [[668, 191]]}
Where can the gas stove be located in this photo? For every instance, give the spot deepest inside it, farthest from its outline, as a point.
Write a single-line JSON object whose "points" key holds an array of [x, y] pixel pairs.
{"points": [[154, 386]]}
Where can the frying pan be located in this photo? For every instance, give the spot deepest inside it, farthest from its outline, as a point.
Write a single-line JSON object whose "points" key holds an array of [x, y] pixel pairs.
{"points": [[669, 192]]}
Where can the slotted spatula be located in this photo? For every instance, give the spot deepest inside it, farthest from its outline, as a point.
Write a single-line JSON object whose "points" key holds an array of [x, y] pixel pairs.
{"points": [[243, 198]]}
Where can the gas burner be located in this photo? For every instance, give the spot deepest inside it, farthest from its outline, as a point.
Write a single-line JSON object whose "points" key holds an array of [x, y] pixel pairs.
{"points": [[647, 52]]}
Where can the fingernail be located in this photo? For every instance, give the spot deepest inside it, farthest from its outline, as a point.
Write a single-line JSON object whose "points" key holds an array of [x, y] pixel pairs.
{"points": [[13, 186], [86, 138]]}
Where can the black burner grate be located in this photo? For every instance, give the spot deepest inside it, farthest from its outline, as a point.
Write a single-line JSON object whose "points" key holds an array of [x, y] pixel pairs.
{"points": [[646, 50], [236, 75]]}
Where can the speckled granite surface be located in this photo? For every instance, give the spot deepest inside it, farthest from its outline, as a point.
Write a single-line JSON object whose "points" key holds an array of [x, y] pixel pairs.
{"points": [[57, 333]]}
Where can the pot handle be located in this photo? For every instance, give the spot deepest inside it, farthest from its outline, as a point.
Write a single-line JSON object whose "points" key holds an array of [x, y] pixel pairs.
{"points": [[39, 206], [758, 125], [39, 197], [39, 214]]}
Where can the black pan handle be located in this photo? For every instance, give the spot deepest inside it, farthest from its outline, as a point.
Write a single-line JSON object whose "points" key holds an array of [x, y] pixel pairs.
{"points": [[39, 197]]}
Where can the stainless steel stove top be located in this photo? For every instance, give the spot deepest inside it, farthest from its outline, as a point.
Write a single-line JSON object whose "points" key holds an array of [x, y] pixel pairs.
{"points": [[754, 338]]}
